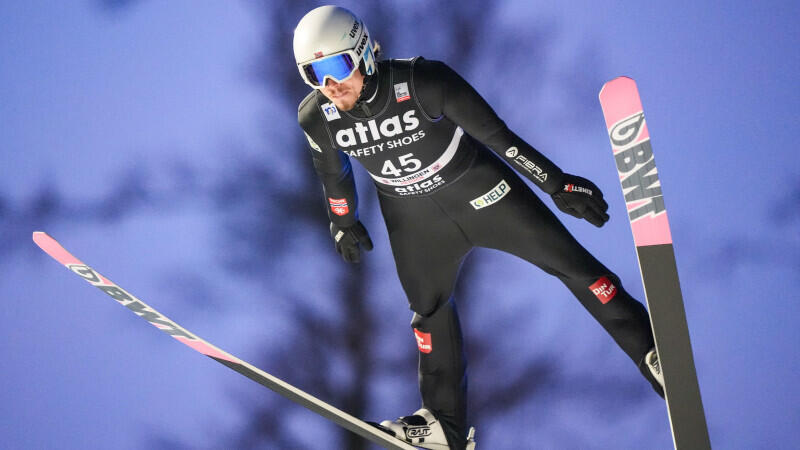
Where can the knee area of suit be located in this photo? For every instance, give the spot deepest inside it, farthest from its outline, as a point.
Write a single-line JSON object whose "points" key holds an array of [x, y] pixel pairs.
{"points": [[424, 319]]}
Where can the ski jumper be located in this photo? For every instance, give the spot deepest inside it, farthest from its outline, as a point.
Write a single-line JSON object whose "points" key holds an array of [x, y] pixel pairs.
{"points": [[442, 162]]}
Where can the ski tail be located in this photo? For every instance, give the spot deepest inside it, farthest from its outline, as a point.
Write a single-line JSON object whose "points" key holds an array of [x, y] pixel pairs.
{"points": [[146, 312], [647, 214]]}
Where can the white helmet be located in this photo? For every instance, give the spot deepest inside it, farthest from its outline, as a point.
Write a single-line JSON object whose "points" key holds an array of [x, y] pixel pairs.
{"points": [[331, 42]]}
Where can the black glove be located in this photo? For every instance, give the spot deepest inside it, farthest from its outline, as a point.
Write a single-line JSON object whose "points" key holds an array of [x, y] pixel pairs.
{"points": [[348, 239], [580, 197]]}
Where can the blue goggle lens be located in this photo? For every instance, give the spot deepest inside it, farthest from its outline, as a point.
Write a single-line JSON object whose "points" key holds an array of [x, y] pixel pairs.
{"points": [[337, 67]]}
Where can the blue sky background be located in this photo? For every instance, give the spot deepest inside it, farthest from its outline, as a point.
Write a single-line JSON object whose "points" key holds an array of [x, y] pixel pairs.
{"points": [[162, 97]]}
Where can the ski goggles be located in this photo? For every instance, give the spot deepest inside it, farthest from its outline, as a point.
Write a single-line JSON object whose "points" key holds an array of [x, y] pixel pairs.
{"points": [[338, 67]]}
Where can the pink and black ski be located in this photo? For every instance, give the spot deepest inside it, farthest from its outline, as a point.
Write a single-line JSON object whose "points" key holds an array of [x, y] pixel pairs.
{"points": [[141, 309], [630, 142]]}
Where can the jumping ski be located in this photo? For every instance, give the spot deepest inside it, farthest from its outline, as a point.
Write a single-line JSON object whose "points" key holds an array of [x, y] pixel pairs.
{"points": [[633, 154], [341, 418]]}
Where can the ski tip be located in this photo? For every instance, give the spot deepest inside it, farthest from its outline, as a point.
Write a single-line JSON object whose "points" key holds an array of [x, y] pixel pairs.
{"points": [[43, 240], [39, 236], [53, 248], [621, 79], [618, 80]]}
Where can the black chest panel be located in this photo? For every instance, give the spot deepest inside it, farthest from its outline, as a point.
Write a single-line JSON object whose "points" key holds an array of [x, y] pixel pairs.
{"points": [[404, 150]]}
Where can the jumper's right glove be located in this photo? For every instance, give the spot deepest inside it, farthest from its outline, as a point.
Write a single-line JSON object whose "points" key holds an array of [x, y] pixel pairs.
{"points": [[580, 197], [350, 240]]}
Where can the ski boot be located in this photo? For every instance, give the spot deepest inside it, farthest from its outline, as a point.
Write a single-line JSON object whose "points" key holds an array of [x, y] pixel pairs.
{"points": [[423, 430], [651, 369]]}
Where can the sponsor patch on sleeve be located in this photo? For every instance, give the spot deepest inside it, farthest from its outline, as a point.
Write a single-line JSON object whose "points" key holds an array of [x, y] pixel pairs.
{"points": [[604, 290], [339, 206]]}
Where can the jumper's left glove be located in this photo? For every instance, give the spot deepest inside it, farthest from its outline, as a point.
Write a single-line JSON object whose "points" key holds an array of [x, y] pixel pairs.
{"points": [[580, 197]]}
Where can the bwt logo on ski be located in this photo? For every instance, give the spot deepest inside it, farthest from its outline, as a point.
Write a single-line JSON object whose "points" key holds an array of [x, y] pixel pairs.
{"points": [[118, 294], [86, 273], [637, 167], [604, 290], [372, 131]]}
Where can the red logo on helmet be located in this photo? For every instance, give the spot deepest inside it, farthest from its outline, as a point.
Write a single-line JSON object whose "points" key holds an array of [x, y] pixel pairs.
{"points": [[317, 54], [604, 290], [423, 341]]}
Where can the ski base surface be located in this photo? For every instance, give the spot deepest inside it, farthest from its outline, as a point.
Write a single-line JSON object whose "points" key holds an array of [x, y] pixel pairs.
{"points": [[141, 309], [633, 155]]}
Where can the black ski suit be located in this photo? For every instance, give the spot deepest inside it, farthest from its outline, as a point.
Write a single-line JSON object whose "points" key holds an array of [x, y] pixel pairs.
{"points": [[434, 148]]}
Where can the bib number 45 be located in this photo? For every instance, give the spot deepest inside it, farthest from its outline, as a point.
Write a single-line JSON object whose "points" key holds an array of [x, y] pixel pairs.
{"points": [[407, 162]]}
